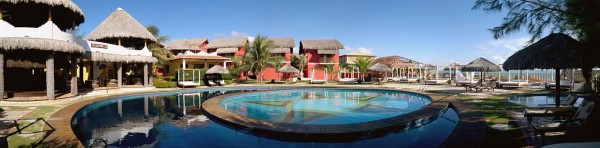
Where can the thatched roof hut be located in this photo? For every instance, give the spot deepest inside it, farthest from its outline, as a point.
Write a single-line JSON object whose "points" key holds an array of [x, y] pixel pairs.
{"points": [[186, 44], [378, 67], [217, 69], [120, 24], [481, 65], [454, 66], [227, 43], [288, 69], [555, 51], [10, 63], [66, 13], [397, 62], [283, 42], [22, 43], [321, 44]]}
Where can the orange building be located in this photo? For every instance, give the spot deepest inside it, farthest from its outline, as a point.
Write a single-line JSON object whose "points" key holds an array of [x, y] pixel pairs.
{"points": [[319, 54], [284, 48]]}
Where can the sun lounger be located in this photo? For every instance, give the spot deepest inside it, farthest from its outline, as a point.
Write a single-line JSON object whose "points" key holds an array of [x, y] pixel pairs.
{"points": [[347, 80], [490, 85], [563, 85], [469, 87], [514, 83], [436, 82], [211, 83], [305, 79], [222, 82], [396, 79], [577, 121], [187, 84], [413, 80], [548, 110], [317, 81]]}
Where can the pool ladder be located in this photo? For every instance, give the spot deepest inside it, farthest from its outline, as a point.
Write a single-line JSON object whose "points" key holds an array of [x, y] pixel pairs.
{"points": [[95, 143]]}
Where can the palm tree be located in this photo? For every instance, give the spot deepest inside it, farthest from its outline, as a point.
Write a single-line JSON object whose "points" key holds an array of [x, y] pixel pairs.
{"points": [[300, 61], [258, 57], [238, 67], [363, 64], [330, 70], [163, 55]]}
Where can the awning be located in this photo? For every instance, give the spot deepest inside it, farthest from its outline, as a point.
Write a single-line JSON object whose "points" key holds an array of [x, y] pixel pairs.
{"points": [[328, 51], [227, 50], [280, 50]]}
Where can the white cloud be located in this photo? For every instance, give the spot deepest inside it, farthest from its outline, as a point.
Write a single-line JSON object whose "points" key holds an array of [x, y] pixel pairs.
{"points": [[359, 49], [499, 50], [235, 34]]}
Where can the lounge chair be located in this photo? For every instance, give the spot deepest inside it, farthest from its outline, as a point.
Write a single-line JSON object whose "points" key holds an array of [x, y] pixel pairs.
{"points": [[563, 85], [312, 81], [514, 83], [469, 87], [187, 83], [436, 82], [549, 110], [211, 83], [413, 80], [577, 121], [490, 85], [346, 80], [222, 82]]}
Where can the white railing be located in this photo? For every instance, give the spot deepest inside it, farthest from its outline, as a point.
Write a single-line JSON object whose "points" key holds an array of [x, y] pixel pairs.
{"points": [[93, 46], [47, 31]]}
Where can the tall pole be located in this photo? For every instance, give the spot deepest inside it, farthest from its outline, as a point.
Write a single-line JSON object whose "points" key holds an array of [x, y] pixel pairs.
{"points": [[50, 76], [557, 88]]}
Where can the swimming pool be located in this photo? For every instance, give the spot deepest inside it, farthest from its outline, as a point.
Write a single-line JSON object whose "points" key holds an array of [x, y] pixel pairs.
{"points": [[533, 100], [320, 106], [176, 119]]}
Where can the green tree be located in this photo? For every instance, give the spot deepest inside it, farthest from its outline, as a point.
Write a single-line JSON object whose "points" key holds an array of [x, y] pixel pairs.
{"points": [[331, 71], [299, 61], [575, 17], [162, 55], [363, 63], [237, 66], [258, 56]]}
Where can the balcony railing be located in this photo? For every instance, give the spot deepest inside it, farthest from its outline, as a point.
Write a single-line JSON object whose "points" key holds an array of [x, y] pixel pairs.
{"points": [[327, 61], [47, 31]]}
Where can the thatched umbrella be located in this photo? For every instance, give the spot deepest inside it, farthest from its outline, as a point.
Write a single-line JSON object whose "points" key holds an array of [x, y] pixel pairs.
{"points": [[120, 24], [378, 67], [481, 65], [289, 69], [217, 69], [66, 14], [555, 51]]}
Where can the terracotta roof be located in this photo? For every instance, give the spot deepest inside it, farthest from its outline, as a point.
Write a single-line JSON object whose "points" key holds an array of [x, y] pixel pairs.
{"points": [[396, 62]]}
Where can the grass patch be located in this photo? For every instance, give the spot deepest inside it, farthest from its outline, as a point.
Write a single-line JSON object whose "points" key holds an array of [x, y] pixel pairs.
{"points": [[30, 129]]}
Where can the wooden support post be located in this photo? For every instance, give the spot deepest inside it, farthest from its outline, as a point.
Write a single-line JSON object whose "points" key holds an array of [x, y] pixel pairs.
{"points": [[74, 75], [145, 74], [2, 76], [119, 74]]}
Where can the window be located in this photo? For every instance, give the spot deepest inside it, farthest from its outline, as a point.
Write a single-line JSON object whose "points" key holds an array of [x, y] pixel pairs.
{"points": [[198, 66], [324, 58]]}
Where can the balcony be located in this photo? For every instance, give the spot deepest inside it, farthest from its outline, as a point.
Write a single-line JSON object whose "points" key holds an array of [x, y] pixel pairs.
{"points": [[46, 31]]}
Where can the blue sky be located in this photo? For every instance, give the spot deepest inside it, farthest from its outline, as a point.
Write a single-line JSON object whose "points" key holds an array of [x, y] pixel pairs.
{"points": [[430, 31]]}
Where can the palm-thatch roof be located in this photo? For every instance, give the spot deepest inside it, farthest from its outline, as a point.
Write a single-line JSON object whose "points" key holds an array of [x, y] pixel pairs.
{"points": [[24, 64], [323, 51], [217, 69], [429, 66], [185, 44], [107, 57], [66, 13], [120, 24], [453, 66], [24, 43], [227, 43], [397, 62], [481, 65], [555, 51], [226, 50], [283, 42], [288, 69], [321, 44], [280, 50], [378, 67]]}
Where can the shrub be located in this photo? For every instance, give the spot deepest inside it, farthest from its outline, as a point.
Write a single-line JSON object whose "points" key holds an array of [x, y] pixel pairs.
{"points": [[160, 83]]}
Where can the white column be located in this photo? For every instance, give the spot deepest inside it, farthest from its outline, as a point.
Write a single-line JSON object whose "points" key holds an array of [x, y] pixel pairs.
{"points": [[119, 74], [146, 114], [437, 71], [183, 65], [120, 108], [509, 76], [146, 74], [50, 76]]}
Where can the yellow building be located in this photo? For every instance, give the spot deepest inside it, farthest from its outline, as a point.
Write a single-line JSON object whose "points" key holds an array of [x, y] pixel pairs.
{"points": [[189, 60], [351, 57]]}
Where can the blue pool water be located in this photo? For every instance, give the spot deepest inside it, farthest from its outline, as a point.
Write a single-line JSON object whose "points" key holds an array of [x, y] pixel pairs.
{"points": [[176, 120], [536, 100], [318, 106]]}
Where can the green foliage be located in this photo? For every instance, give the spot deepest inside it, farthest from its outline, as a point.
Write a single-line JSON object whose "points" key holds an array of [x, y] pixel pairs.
{"points": [[163, 55], [161, 83], [258, 57], [363, 63]]}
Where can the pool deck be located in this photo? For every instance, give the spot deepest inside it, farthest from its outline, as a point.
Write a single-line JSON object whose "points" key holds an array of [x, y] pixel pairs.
{"points": [[469, 132]]}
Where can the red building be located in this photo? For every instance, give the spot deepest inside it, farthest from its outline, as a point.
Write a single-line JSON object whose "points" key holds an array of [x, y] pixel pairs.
{"points": [[284, 48], [229, 48], [319, 54]]}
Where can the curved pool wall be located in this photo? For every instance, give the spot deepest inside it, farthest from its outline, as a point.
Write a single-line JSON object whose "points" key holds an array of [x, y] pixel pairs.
{"points": [[319, 106], [166, 120], [533, 100]]}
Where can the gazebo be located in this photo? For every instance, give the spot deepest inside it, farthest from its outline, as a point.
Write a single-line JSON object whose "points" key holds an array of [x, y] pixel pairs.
{"points": [[119, 39], [380, 68], [401, 66], [288, 71], [35, 48], [481, 65], [556, 51], [215, 73]]}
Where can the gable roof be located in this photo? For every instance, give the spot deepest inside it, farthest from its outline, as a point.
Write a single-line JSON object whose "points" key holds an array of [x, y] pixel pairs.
{"points": [[283, 42], [321, 44], [227, 43], [120, 24]]}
